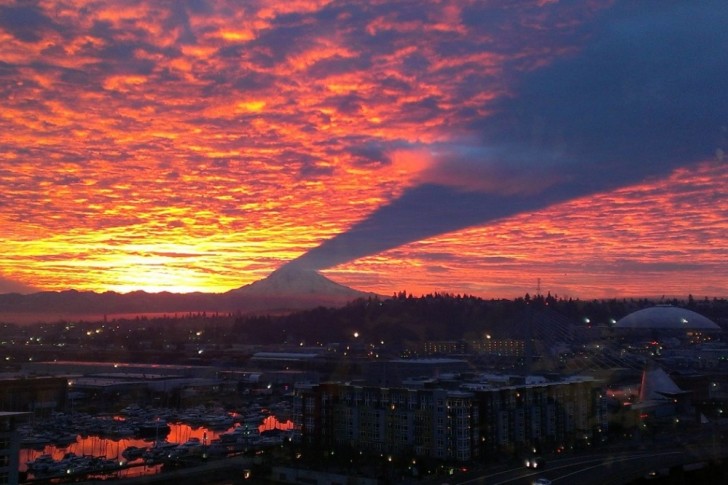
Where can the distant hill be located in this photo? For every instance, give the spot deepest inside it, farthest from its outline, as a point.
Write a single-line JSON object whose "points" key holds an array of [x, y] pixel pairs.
{"points": [[286, 289], [70, 304]]}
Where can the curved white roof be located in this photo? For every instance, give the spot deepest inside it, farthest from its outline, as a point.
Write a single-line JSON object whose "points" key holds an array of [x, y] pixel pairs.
{"points": [[668, 318]]}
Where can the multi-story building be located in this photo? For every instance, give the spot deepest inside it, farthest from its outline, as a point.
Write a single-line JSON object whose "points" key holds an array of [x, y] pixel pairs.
{"points": [[505, 347], [445, 347], [432, 423], [451, 425], [9, 446], [547, 415]]}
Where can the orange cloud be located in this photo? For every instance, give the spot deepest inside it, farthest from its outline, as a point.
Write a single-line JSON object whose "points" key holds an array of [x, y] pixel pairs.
{"points": [[245, 135], [607, 245]]}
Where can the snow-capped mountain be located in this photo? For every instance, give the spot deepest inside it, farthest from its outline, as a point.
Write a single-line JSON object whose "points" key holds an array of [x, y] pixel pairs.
{"points": [[294, 288], [294, 281]]}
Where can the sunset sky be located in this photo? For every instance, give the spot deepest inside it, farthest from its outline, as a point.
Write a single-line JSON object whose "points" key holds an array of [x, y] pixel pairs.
{"points": [[465, 146]]}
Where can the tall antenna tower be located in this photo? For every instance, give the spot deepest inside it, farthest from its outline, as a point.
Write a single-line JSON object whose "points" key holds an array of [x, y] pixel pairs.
{"points": [[538, 287]]}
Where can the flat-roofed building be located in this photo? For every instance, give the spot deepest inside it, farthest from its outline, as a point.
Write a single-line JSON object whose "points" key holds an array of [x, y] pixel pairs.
{"points": [[503, 347], [434, 423], [450, 424], [287, 360], [547, 415], [37, 394], [445, 347], [392, 373], [87, 368]]}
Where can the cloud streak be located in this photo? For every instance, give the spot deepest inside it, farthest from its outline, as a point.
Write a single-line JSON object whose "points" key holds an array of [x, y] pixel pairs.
{"points": [[612, 244], [645, 95], [244, 135]]}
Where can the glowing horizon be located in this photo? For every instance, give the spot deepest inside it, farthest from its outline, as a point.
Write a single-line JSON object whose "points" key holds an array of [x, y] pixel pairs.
{"points": [[197, 147]]}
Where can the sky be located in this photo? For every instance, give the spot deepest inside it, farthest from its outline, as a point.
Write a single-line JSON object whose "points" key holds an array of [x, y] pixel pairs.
{"points": [[481, 147]]}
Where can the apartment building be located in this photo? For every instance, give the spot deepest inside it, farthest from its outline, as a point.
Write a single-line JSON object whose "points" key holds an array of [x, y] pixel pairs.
{"points": [[452, 424], [434, 423], [547, 415]]}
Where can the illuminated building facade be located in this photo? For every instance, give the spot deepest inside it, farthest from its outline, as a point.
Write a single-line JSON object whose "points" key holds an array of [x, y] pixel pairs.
{"points": [[505, 347], [445, 347], [432, 423]]}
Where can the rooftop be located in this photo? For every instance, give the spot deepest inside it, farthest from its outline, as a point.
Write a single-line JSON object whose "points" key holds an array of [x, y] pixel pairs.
{"points": [[666, 317]]}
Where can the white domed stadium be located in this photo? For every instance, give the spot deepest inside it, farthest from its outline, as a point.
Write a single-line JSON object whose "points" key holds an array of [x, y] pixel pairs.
{"points": [[666, 317]]}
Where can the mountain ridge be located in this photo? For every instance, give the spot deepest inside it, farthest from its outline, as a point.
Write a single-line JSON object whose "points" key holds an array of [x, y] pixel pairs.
{"points": [[285, 289]]}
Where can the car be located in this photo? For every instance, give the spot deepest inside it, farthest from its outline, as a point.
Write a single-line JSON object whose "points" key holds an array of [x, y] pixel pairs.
{"points": [[541, 481], [535, 462]]}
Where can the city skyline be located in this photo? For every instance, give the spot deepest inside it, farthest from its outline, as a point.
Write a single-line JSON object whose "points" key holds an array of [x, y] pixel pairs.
{"points": [[418, 146]]}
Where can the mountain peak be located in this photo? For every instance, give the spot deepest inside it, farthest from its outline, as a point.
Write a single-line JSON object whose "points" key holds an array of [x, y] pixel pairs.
{"points": [[295, 281]]}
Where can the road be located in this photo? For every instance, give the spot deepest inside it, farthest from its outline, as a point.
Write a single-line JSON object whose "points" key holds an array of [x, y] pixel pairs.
{"points": [[605, 468]]}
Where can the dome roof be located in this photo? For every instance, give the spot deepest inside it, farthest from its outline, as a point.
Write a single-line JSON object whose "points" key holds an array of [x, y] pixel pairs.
{"points": [[666, 317]]}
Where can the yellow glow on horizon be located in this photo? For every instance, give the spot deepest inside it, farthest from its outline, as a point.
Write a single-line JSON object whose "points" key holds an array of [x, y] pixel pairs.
{"points": [[512, 253], [157, 283]]}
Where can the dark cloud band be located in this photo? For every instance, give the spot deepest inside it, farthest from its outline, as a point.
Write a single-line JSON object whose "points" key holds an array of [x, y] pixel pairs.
{"points": [[646, 95]]}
